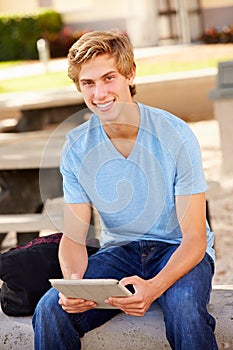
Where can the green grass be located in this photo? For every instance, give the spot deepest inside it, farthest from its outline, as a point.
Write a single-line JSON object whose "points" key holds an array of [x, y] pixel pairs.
{"points": [[151, 67], [148, 66], [36, 82], [9, 64]]}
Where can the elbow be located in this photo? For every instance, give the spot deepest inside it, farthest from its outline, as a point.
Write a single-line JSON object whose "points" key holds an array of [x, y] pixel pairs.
{"points": [[202, 248]]}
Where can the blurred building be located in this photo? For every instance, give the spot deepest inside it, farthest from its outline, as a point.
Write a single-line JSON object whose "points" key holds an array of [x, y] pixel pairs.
{"points": [[147, 22]]}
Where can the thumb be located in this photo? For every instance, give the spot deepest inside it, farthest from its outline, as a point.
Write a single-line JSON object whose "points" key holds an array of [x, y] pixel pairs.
{"points": [[134, 280], [74, 276]]}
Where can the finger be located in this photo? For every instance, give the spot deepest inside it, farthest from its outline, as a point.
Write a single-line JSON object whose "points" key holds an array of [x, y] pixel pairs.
{"points": [[77, 310], [79, 303], [133, 299], [75, 302], [86, 305], [75, 276], [69, 301], [134, 313], [134, 310], [130, 280]]}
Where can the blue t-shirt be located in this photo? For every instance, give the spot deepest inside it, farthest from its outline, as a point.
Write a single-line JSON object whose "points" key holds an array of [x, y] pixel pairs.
{"points": [[135, 196]]}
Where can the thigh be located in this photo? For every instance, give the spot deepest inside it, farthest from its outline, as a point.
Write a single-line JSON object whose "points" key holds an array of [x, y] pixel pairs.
{"points": [[191, 290], [157, 257], [50, 320], [188, 322]]}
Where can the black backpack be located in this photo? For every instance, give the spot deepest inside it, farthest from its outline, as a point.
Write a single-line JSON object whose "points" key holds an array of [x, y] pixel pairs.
{"points": [[25, 271]]}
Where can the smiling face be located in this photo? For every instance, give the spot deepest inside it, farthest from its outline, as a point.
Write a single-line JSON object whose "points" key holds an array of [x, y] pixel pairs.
{"points": [[104, 89]]}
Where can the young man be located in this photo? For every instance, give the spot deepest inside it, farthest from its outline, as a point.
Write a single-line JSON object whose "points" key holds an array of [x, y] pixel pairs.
{"points": [[141, 169]]}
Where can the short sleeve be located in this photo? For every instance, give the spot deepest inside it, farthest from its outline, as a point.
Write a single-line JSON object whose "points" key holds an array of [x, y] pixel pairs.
{"points": [[190, 177], [69, 168]]}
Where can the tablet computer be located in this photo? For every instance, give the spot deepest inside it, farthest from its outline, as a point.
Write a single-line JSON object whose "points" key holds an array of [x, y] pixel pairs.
{"points": [[97, 290]]}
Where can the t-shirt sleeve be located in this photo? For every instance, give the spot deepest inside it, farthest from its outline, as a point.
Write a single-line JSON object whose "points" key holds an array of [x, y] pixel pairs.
{"points": [[190, 177], [69, 167]]}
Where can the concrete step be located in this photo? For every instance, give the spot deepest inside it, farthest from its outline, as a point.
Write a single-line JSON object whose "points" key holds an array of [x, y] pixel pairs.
{"points": [[131, 333]]}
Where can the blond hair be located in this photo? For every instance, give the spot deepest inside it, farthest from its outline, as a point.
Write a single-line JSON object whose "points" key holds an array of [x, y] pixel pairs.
{"points": [[96, 43]]}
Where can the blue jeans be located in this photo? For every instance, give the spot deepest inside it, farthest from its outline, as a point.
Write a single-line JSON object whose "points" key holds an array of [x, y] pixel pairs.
{"points": [[188, 323]]}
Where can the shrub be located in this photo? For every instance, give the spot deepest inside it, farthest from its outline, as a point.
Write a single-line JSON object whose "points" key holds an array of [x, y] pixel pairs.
{"points": [[19, 34], [217, 35], [59, 43]]}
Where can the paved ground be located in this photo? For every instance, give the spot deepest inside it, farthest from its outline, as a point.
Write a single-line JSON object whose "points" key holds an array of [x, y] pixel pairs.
{"points": [[221, 205]]}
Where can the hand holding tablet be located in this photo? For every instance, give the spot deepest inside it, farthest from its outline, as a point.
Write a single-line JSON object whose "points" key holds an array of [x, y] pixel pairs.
{"points": [[97, 290]]}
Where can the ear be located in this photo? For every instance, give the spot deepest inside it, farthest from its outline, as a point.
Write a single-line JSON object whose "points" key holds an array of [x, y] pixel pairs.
{"points": [[131, 76]]}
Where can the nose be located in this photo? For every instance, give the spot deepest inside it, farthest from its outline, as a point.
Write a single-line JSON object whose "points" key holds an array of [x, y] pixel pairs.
{"points": [[100, 91]]}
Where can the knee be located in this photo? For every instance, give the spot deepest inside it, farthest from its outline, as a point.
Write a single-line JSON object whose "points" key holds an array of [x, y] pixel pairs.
{"points": [[48, 302], [182, 304]]}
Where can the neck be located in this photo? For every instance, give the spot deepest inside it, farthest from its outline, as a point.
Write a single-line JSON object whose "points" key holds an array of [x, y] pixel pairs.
{"points": [[126, 126]]}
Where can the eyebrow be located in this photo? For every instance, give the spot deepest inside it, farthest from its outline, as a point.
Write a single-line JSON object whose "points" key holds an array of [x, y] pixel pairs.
{"points": [[103, 76]]}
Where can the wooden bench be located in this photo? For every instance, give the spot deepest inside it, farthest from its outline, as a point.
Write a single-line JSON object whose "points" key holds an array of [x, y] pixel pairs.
{"points": [[50, 219], [21, 169], [29, 222], [29, 172], [35, 110]]}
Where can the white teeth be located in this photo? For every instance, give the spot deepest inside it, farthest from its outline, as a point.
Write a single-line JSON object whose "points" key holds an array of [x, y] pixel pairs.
{"points": [[103, 105]]}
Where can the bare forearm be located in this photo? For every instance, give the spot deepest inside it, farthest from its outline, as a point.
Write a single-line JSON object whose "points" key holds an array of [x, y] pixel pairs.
{"points": [[72, 250], [187, 256], [191, 216], [73, 258]]}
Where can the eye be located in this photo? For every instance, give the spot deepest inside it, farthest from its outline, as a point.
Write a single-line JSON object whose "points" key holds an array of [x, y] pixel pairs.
{"points": [[87, 83], [109, 77]]}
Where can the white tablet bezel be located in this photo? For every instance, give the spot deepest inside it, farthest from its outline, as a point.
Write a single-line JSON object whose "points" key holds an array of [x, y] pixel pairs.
{"points": [[97, 290]]}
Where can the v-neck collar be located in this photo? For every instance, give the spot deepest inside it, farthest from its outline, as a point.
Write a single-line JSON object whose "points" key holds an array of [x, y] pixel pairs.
{"points": [[114, 149]]}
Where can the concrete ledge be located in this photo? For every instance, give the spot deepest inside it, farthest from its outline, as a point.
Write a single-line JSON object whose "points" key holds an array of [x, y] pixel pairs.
{"points": [[131, 333], [148, 333], [185, 94], [29, 222], [15, 333], [18, 101]]}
